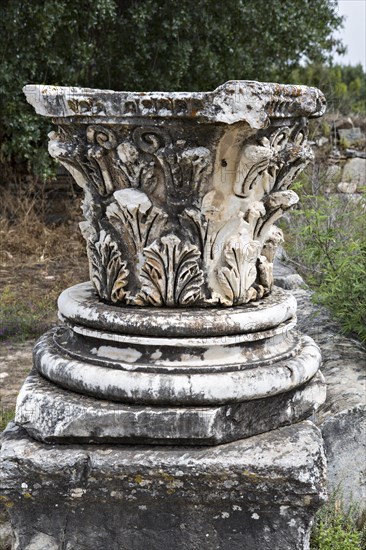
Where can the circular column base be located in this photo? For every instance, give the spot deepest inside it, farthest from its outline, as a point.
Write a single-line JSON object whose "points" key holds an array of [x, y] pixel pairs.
{"points": [[198, 376], [213, 382]]}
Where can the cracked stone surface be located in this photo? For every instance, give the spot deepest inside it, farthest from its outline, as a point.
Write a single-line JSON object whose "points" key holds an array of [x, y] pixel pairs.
{"points": [[51, 414], [260, 492]]}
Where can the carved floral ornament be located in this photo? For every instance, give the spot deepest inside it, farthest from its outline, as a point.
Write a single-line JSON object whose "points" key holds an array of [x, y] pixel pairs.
{"points": [[182, 213]]}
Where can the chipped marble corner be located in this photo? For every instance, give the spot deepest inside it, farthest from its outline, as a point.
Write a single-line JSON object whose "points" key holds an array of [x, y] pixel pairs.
{"points": [[182, 190]]}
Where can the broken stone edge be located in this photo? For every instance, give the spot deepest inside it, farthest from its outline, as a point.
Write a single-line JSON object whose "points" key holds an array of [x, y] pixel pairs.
{"points": [[53, 415], [236, 100], [293, 455]]}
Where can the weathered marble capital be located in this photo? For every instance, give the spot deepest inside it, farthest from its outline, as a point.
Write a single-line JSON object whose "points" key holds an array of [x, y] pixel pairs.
{"points": [[180, 332], [182, 190]]}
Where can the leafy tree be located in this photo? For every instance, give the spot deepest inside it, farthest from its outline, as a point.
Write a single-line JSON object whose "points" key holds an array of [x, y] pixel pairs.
{"points": [[148, 44], [53, 41], [343, 85]]}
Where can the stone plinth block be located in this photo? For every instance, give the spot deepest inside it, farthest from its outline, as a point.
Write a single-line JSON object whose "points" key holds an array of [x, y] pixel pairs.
{"points": [[52, 414], [257, 493]]}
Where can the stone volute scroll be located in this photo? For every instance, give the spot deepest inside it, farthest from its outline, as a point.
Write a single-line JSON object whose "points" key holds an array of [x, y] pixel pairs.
{"points": [[171, 407], [181, 195]]}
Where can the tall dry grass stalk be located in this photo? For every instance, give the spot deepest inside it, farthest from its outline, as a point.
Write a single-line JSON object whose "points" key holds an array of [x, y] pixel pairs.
{"points": [[38, 226]]}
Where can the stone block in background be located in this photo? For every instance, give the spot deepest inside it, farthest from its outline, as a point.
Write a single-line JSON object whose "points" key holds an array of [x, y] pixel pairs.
{"points": [[351, 135], [345, 445], [355, 171], [347, 187]]}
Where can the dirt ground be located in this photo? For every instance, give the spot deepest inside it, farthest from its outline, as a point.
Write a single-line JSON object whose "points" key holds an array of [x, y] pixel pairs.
{"points": [[41, 254], [15, 363]]}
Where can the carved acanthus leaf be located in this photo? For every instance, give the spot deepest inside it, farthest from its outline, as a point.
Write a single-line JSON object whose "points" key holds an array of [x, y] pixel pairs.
{"points": [[205, 230], [68, 154], [189, 168], [108, 272], [137, 170], [274, 239], [133, 216], [185, 170], [171, 274], [295, 158], [253, 167], [102, 140], [237, 278], [265, 275], [260, 162], [119, 293]]}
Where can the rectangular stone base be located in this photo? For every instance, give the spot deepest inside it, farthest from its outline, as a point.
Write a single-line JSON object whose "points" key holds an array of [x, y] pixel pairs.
{"points": [[259, 493], [54, 415]]}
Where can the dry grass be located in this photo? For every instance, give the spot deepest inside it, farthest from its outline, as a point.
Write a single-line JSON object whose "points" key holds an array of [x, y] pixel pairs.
{"points": [[41, 253], [38, 225]]}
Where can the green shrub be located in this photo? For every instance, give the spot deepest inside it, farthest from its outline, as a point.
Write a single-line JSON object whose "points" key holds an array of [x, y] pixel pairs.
{"points": [[5, 417], [146, 45], [327, 240], [338, 529]]}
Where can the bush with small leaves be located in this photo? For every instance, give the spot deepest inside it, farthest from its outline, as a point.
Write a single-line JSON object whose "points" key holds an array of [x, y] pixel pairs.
{"points": [[336, 528], [327, 240]]}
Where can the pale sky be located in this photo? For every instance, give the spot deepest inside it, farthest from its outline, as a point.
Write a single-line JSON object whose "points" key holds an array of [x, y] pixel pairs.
{"points": [[353, 34]]}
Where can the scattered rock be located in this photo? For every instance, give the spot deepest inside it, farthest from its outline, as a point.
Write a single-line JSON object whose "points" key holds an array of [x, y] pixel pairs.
{"points": [[355, 153], [355, 171], [322, 141], [351, 135], [344, 437], [290, 282], [333, 174], [347, 187]]}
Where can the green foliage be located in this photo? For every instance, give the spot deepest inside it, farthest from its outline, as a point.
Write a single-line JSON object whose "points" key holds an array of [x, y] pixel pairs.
{"points": [[52, 42], [343, 289], [26, 317], [5, 417], [145, 45], [337, 529], [344, 86], [327, 237]]}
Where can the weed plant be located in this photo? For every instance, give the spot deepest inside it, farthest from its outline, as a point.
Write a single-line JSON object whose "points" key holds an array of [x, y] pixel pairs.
{"points": [[5, 417], [326, 239], [336, 528], [24, 318]]}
